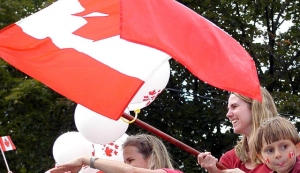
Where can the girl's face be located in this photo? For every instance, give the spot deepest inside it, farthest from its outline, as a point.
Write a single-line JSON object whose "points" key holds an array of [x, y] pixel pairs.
{"points": [[134, 158], [239, 114], [280, 156]]}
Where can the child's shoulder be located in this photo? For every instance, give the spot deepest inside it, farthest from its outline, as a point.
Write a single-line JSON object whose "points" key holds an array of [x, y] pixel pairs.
{"points": [[296, 167]]}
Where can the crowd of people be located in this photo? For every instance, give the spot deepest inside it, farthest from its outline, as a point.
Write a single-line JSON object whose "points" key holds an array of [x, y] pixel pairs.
{"points": [[268, 143]]}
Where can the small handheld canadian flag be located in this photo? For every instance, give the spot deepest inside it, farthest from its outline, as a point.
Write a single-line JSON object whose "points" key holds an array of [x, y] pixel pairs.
{"points": [[6, 143]]}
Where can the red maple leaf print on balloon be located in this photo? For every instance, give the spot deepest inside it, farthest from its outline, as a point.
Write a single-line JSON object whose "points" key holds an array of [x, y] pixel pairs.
{"points": [[108, 151], [111, 149], [93, 152], [152, 95], [103, 19]]}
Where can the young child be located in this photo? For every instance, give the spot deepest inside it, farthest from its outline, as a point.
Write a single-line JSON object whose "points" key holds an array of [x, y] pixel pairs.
{"points": [[276, 143]]}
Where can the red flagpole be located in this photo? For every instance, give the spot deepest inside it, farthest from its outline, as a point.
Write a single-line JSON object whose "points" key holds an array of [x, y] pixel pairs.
{"points": [[167, 137]]}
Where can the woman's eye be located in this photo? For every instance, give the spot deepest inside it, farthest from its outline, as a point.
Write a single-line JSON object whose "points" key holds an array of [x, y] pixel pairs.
{"points": [[284, 146]]}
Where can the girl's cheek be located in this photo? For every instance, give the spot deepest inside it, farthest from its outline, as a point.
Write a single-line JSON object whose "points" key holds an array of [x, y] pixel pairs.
{"points": [[267, 160]]}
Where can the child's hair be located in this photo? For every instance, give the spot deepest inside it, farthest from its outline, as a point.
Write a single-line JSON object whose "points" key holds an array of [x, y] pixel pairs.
{"points": [[272, 130], [151, 147]]}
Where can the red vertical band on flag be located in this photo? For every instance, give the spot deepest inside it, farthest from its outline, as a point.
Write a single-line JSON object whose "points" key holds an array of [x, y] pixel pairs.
{"points": [[203, 48]]}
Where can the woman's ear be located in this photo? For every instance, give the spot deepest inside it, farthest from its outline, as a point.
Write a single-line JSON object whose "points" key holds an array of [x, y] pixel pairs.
{"points": [[298, 149]]}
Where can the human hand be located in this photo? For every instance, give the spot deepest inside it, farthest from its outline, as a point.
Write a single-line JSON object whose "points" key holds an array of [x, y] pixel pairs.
{"points": [[235, 170], [72, 167], [208, 162]]}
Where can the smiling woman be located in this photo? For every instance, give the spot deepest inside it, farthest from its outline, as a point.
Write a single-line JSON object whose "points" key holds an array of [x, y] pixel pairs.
{"points": [[142, 153], [246, 115]]}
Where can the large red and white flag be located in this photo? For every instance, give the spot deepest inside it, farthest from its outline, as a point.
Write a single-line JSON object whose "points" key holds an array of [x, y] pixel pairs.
{"points": [[98, 53], [6, 143]]}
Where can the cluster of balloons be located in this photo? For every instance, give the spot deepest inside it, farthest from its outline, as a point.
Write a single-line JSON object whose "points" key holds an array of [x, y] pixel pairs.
{"points": [[97, 136], [71, 145], [103, 137]]}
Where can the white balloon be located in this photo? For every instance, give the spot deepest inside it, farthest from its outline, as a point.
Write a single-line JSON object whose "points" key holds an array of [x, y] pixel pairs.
{"points": [[97, 128], [112, 150], [152, 87], [71, 145], [136, 106]]}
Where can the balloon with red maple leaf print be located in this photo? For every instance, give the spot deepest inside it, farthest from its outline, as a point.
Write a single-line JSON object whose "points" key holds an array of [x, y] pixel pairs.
{"points": [[152, 87], [112, 150]]}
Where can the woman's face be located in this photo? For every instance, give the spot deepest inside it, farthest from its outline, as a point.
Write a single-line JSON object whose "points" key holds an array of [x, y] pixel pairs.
{"points": [[134, 158], [239, 114]]}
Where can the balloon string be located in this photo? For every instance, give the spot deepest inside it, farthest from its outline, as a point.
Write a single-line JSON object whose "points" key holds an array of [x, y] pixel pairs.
{"points": [[135, 117]]}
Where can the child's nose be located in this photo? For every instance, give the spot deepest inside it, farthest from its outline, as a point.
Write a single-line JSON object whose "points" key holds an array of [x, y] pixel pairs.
{"points": [[277, 154]]}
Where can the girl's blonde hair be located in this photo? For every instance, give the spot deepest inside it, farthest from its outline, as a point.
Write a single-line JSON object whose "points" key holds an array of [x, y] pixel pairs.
{"points": [[260, 111], [273, 130], [150, 147]]}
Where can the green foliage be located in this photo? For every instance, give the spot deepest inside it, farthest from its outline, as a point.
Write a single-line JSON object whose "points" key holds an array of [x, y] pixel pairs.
{"points": [[189, 110], [33, 115]]}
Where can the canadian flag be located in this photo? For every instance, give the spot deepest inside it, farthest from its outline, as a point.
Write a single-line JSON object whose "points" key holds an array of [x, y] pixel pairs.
{"points": [[6, 143], [99, 53]]}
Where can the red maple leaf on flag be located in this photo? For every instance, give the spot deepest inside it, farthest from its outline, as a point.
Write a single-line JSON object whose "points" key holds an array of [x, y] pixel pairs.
{"points": [[108, 22], [7, 143]]}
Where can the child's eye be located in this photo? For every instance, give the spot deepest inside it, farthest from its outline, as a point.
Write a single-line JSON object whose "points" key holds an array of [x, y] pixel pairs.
{"points": [[284, 146], [269, 151]]}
